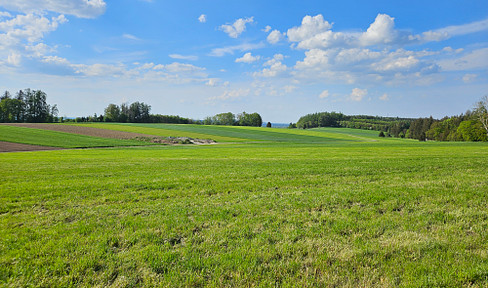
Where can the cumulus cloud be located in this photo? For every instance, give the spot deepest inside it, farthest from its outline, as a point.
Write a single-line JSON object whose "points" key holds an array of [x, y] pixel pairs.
{"points": [[7, 15], [14, 59], [78, 8], [21, 37], [267, 29], [274, 67], [324, 94], [310, 27], [235, 29], [28, 27], [350, 65], [274, 37], [358, 94], [381, 31], [316, 33], [247, 58], [212, 82], [202, 18]]}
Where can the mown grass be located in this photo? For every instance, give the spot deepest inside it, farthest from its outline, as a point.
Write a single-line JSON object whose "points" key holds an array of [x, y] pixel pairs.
{"points": [[233, 133], [43, 137], [341, 213]]}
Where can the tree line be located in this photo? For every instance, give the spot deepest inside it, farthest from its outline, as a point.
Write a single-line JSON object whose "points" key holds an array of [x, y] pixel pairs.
{"points": [[470, 126], [242, 119], [139, 112], [27, 106]]}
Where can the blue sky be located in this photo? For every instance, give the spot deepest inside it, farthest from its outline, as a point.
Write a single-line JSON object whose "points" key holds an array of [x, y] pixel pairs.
{"points": [[282, 59]]}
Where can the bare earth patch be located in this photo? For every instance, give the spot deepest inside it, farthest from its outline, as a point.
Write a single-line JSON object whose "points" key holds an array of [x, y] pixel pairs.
{"points": [[16, 147]]}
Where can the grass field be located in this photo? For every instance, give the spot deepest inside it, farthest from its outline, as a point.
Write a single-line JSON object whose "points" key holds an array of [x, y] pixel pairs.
{"points": [[59, 139], [322, 207]]}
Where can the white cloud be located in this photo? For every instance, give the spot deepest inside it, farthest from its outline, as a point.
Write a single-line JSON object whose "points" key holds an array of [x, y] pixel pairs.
{"points": [[177, 67], [78, 8], [310, 27], [130, 37], [28, 27], [7, 15], [381, 31], [184, 57], [274, 37], [464, 29], [101, 70], [358, 94], [324, 94], [235, 29], [266, 29], [212, 82], [247, 58], [468, 78], [474, 60], [384, 97], [275, 67], [231, 94], [290, 88], [219, 52], [315, 33], [14, 59], [350, 65], [23, 34], [202, 18]]}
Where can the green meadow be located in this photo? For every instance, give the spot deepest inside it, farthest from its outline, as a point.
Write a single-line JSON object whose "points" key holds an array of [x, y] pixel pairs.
{"points": [[262, 208], [43, 137]]}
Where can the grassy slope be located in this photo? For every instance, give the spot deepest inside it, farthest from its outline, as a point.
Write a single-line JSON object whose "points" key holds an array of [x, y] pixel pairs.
{"points": [[231, 133], [386, 213], [58, 139]]}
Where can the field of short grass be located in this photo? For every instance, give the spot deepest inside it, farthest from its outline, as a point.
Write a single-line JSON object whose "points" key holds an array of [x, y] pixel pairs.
{"points": [[59, 139], [348, 210]]}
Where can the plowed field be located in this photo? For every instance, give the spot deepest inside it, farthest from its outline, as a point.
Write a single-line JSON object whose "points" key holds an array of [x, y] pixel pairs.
{"points": [[16, 147]]}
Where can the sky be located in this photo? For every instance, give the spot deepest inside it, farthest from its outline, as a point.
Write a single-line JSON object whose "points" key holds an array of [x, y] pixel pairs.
{"points": [[282, 59]]}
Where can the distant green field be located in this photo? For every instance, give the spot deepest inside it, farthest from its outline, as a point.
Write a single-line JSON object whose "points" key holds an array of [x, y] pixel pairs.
{"points": [[312, 208], [59, 139], [238, 133]]}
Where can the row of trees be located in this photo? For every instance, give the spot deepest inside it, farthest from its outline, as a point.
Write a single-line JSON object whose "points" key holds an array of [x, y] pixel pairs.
{"points": [[26, 106], [470, 126], [322, 119], [139, 112], [242, 119]]}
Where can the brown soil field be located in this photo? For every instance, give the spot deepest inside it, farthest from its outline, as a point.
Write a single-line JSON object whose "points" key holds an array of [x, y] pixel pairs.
{"points": [[89, 131], [16, 147]]}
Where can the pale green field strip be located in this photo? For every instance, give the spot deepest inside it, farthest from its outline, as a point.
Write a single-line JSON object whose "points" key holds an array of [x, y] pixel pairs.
{"points": [[43, 137], [232, 133], [158, 131]]}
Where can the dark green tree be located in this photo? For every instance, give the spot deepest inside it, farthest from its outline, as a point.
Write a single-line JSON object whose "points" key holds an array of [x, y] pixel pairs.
{"points": [[112, 113]]}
